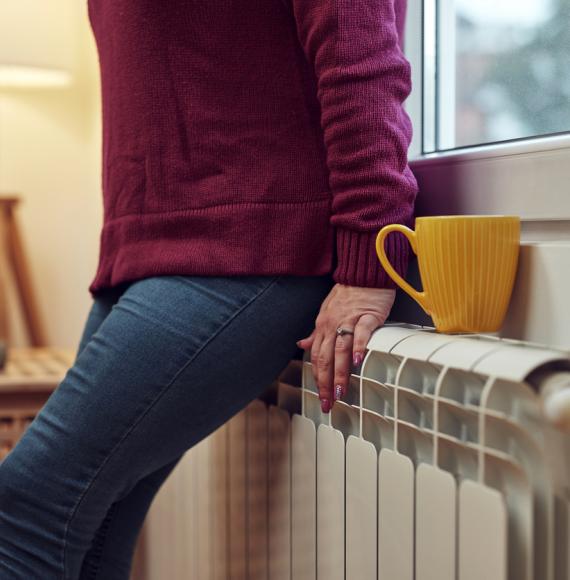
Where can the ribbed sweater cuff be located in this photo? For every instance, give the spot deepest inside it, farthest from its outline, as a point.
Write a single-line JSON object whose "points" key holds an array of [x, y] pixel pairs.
{"points": [[358, 263]]}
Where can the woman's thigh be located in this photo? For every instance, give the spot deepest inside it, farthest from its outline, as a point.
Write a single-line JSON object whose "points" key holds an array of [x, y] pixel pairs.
{"points": [[111, 553], [175, 358], [100, 308], [112, 547]]}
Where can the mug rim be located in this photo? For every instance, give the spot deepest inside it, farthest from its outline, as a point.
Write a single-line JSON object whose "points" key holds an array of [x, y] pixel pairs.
{"points": [[466, 216]]}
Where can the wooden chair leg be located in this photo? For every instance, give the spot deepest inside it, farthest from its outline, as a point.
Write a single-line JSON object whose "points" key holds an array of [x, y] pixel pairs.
{"points": [[17, 263], [4, 326]]}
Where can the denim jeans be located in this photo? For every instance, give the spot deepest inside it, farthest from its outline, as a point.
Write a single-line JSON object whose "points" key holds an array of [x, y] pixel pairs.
{"points": [[162, 363]]}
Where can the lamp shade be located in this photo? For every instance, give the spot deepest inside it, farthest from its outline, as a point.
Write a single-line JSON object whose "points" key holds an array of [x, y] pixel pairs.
{"points": [[37, 43]]}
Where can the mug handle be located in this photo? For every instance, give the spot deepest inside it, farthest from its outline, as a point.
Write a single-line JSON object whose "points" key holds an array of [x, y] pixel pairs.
{"points": [[419, 297]]}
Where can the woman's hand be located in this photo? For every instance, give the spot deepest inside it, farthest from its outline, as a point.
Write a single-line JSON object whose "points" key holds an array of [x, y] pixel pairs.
{"points": [[356, 308]]}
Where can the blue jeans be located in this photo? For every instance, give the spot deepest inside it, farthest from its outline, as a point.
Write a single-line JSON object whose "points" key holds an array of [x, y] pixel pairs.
{"points": [[162, 363]]}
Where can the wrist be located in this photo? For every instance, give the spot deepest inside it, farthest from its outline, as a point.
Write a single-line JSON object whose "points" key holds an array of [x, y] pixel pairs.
{"points": [[358, 263]]}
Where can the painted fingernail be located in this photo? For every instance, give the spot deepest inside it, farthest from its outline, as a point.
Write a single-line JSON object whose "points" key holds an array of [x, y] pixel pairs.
{"points": [[337, 392], [325, 405], [357, 359]]}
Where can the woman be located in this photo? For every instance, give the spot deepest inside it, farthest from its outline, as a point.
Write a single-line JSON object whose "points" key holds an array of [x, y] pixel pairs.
{"points": [[251, 152]]}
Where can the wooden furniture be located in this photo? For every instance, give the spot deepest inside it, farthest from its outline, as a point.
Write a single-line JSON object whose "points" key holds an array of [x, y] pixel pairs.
{"points": [[26, 382], [13, 264]]}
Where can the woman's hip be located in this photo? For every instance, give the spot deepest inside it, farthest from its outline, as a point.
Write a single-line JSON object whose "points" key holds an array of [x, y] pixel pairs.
{"points": [[168, 362]]}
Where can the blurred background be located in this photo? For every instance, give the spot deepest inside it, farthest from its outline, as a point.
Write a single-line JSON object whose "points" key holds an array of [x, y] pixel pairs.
{"points": [[510, 70], [50, 140]]}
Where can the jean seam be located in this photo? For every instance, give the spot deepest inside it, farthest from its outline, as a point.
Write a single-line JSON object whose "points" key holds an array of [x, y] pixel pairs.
{"points": [[152, 404], [99, 544]]}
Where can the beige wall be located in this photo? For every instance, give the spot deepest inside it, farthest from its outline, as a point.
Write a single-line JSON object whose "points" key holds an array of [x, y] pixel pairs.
{"points": [[50, 154]]}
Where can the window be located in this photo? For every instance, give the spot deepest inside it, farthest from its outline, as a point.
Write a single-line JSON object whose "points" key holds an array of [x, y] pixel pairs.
{"points": [[493, 70], [512, 61], [490, 106]]}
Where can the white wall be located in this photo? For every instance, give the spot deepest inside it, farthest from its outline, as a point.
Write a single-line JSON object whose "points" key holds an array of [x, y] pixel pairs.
{"points": [[50, 154]]}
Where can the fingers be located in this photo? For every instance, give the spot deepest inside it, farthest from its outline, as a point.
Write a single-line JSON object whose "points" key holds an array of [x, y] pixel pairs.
{"points": [[307, 342], [322, 364], [342, 363], [362, 309], [315, 348], [325, 372], [332, 356], [364, 328]]}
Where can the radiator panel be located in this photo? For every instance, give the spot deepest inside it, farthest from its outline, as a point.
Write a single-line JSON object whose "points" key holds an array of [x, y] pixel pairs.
{"points": [[279, 494], [395, 516], [257, 491], [436, 520], [237, 497], [482, 533], [438, 465], [331, 492], [361, 509], [303, 498]]}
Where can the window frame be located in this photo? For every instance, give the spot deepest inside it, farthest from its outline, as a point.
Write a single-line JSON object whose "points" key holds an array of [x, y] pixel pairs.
{"points": [[526, 177]]}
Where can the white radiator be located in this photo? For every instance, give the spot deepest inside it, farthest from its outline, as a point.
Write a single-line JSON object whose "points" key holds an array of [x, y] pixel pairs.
{"points": [[440, 465]]}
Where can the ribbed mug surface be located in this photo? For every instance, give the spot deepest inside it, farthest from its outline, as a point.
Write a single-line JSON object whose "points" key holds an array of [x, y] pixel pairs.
{"points": [[467, 267]]}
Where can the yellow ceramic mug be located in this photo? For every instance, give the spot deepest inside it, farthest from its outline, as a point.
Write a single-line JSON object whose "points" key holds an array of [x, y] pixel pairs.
{"points": [[467, 266]]}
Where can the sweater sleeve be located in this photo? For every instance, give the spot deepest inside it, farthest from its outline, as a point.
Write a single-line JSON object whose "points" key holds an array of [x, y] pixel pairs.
{"points": [[363, 79]]}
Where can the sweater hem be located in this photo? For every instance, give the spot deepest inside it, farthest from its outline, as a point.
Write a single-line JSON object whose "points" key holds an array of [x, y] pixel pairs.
{"points": [[296, 240]]}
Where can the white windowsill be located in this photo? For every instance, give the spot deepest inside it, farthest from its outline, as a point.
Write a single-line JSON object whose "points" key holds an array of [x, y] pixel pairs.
{"points": [[494, 150]]}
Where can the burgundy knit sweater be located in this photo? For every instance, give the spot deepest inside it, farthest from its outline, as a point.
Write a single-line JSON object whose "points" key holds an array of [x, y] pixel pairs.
{"points": [[252, 137]]}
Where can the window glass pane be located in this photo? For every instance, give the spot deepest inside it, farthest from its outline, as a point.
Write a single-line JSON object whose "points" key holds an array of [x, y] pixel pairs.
{"points": [[511, 60]]}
